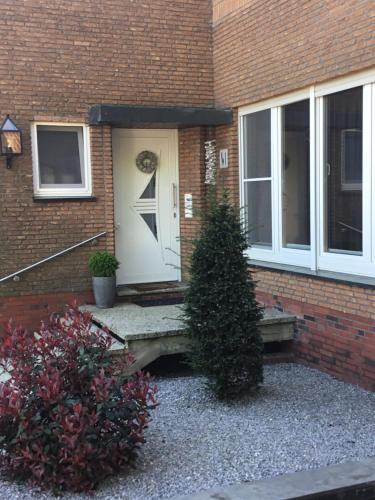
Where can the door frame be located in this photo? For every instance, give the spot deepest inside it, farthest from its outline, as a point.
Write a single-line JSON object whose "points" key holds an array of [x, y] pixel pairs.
{"points": [[173, 133]]}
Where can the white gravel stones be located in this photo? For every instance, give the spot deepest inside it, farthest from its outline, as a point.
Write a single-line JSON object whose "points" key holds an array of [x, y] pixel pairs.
{"points": [[302, 419]]}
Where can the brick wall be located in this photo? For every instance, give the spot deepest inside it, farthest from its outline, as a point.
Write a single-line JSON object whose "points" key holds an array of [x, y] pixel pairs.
{"points": [[32, 230], [191, 172], [263, 49], [228, 178], [222, 8], [58, 58], [336, 322], [28, 311]]}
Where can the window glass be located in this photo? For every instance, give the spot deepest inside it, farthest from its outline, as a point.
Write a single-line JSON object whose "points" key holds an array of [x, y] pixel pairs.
{"points": [[150, 191], [60, 154], [258, 145], [295, 162], [150, 220], [257, 192], [343, 171], [258, 213]]}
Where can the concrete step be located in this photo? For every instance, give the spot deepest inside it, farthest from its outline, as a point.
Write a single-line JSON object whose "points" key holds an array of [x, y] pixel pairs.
{"points": [[153, 294], [151, 332]]}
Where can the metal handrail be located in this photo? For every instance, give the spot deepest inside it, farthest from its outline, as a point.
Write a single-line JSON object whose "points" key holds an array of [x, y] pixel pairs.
{"points": [[13, 275]]}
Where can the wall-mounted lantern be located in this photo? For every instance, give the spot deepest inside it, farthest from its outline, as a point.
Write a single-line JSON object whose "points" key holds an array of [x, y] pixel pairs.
{"points": [[10, 137]]}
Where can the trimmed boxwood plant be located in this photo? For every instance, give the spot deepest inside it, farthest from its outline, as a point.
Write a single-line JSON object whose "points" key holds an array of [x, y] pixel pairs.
{"points": [[67, 420], [222, 313], [103, 264]]}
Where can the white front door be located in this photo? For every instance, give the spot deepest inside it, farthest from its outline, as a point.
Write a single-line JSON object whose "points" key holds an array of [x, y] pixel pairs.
{"points": [[146, 206]]}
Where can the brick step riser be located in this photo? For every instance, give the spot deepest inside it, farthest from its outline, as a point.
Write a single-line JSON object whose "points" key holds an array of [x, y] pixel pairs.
{"points": [[159, 298]]}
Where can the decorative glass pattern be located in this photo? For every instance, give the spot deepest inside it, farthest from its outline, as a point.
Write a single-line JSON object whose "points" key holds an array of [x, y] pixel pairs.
{"points": [[150, 191], [150, 220]]}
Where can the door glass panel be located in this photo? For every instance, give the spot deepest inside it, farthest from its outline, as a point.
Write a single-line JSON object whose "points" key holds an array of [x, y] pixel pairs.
{"points": [[296, 174], [258, 213], [150, 220], [150, 191], [258, 144], [343, 171]]}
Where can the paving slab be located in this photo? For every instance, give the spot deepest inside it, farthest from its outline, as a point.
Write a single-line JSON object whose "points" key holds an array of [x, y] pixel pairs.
{"points": [[342, 481], [133, 322]]}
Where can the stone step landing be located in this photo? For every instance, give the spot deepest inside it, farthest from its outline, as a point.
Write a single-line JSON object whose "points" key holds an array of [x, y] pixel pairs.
{"points": [[151, 332], [149, 294]]}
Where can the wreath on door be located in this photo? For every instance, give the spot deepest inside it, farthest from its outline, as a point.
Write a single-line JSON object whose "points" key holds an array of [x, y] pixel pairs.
{"points": [[147, 162]]}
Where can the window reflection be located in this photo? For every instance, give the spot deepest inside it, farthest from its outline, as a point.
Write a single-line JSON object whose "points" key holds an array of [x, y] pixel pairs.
{"points": [[343, 170]]}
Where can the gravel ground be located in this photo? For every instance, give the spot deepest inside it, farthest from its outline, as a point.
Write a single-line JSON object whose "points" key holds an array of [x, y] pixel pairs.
{"points": [[302, 419]]}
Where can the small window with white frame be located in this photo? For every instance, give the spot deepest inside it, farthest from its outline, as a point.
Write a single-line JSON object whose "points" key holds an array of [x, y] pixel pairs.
{"points": [[308, 177], [61, 160]]}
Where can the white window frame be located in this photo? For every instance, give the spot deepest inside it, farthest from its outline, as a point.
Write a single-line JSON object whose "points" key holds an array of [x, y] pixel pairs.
{"points": [[317, 258], [61, 191], [335, 261], [262, 179], [277, 253]]}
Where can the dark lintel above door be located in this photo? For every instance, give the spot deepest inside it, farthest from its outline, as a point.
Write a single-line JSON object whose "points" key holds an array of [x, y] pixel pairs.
{"points": [[171, 117]]}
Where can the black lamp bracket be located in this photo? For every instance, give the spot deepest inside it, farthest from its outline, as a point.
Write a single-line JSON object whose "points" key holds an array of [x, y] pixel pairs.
{"points": [[9, 158]]}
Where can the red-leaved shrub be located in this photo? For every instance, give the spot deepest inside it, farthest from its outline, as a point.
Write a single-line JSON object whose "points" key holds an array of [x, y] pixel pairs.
{"points": [[67, 418]]}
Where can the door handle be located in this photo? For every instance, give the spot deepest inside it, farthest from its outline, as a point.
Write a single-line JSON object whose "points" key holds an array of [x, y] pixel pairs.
{"points": [[174, 187]]}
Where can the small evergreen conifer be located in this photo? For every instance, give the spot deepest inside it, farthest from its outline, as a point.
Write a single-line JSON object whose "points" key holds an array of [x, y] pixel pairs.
{"points": [[221, 310]]}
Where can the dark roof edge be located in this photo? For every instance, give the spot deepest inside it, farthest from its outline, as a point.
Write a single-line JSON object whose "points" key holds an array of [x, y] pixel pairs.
{"points": [[177, 116]]}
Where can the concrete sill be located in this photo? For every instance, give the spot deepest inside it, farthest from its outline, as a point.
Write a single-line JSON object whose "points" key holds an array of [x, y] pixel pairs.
{"points": [[349, 279]]}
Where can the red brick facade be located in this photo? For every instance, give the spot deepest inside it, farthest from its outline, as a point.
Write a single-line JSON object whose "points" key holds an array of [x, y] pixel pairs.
{"points": [[265, 49], [29, 310], [60, 57], [336, 322], [191, 168]]}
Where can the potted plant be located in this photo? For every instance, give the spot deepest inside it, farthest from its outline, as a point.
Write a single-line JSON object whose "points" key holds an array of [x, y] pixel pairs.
{"points": [[103, 267]]}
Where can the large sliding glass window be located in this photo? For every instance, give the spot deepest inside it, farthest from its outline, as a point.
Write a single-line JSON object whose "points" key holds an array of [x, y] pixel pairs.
{"points": [[343, 116], [308, 177], [257, 178]]}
